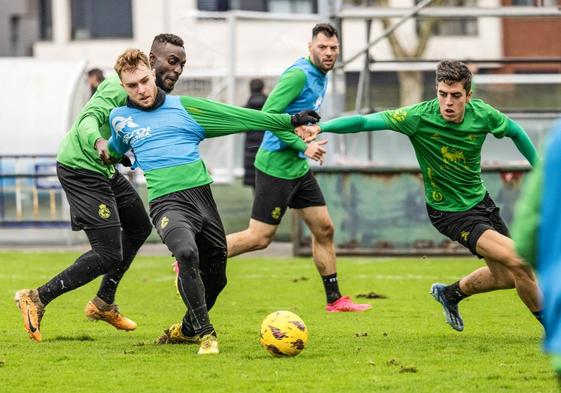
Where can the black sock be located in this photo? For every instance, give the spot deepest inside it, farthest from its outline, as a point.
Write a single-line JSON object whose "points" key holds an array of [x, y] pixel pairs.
{"points": [[539, 316], [112, 278], [86, 268], [453, 293], [331, 287]]}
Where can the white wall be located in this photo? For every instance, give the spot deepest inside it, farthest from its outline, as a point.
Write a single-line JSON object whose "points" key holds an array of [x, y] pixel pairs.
{"points": [[263, 47], [40, 100]]}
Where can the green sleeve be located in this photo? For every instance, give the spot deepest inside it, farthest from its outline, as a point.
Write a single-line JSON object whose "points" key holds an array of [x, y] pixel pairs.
{"points": [[357, 123], [88, 128], [286, 90], [526, 219], [93, 120], [522, 141], [498, 121], [218, 119]]}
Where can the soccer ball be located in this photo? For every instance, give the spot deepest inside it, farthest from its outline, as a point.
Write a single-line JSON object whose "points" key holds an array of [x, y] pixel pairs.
{"points": [[283, 333]]}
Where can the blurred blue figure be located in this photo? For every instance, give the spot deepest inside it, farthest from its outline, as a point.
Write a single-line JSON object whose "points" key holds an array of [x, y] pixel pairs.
{"points": [[537, 233]]}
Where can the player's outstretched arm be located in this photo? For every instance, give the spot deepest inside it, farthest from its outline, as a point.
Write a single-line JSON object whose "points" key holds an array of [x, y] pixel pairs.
{"points": [[356, 123], [522, 141], [218, 119], [344, 125]]}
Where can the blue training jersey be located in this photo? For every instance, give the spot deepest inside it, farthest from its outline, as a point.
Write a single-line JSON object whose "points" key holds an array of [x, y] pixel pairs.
{"points": [[167, 136], [310, 97], [549, 242]]}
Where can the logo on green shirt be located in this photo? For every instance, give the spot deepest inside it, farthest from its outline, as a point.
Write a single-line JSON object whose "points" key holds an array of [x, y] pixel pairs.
{"points": [[398, 115], [452, 155]]}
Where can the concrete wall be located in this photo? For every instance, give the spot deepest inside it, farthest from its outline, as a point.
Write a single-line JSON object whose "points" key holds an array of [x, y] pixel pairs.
{"points": [[263, 47]]}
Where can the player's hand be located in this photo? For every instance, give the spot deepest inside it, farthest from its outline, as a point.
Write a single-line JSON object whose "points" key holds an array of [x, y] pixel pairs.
{"points": [[315, 151], [304, 117], [103, 151], [308, 133]]}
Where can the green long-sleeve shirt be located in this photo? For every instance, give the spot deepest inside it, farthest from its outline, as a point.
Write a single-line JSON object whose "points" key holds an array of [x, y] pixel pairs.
{"points": [[449, 154], [77, 149]]}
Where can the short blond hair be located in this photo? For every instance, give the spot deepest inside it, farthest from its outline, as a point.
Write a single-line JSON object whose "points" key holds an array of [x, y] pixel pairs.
{"points": [[130, 60]]}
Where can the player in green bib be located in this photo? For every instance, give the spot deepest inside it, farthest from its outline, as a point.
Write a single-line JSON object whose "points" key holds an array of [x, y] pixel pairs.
{"points": [[283, 177], [447, 134]]}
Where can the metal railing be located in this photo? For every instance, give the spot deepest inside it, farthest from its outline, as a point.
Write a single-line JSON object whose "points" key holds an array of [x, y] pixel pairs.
{"points": [[30, 193]]}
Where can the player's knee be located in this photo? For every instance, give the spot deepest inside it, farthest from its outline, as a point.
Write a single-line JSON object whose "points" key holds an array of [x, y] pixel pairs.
{"points": [[187, 256], [324, 230], [261, 240], [111, 257]]}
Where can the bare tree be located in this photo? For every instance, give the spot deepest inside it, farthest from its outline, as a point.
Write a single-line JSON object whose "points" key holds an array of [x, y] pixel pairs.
{"points": [[411, 82]]}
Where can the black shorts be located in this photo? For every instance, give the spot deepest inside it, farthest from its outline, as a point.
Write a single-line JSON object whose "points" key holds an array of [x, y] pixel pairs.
{"points": [[467, 227], [193, 208], [273, 195], [94, 199]]}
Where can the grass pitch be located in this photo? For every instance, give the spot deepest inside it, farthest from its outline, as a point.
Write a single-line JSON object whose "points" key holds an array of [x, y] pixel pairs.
{"points": [[401, 345]]}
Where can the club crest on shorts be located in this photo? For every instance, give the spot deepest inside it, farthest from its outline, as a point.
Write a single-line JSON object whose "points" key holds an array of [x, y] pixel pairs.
{"points": [[464, 235], [276, 213], [164, 223], [104, 211]]}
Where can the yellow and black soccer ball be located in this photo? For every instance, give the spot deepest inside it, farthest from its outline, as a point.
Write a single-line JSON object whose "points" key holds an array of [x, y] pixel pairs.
{"points": [[283, 334]]}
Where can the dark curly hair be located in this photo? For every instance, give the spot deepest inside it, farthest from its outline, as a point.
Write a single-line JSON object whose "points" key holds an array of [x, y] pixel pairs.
{"points": [[325, 28], [164, 38], [452, 71]]}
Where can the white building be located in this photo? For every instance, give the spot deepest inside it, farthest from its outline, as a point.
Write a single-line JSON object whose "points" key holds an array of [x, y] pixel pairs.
{"points": [[218, 44]]}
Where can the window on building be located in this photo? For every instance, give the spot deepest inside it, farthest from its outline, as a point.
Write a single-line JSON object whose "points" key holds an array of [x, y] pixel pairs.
{"points": [[93, 19], [45, 20], [213, 5], [455, 26], [286, 6], [293, 6], [362, 3]]}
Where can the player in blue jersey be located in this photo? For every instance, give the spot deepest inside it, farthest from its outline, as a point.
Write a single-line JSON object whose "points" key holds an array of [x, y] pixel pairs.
{"points": [[102, 202], [283, 177], [537, 235], [164, 133]]}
